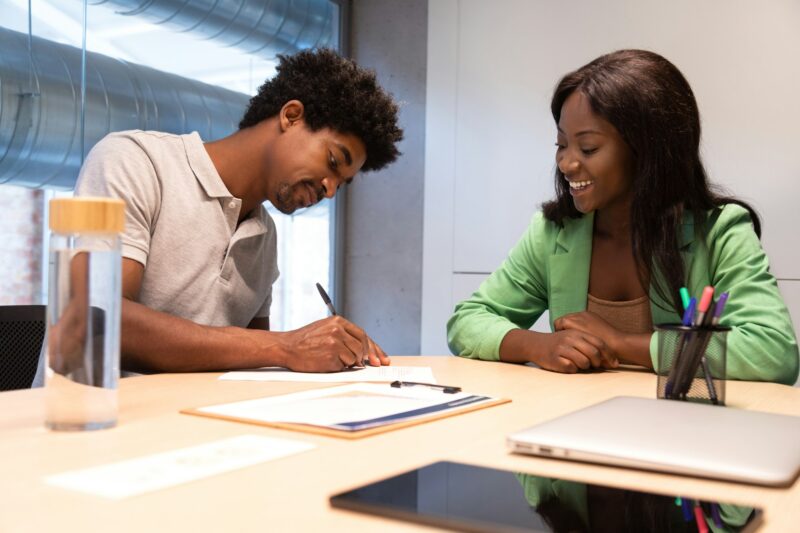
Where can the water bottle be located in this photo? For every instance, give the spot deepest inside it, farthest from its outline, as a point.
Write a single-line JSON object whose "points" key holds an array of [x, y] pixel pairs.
{"points": [[83, 313]]}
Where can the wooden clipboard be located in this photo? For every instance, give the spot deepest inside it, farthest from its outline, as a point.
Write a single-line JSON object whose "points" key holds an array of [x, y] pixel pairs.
{"points": [[356, 434]]}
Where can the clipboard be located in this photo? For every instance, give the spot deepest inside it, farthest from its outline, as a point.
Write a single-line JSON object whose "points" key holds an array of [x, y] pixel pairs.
{"points": [[330, 411]]}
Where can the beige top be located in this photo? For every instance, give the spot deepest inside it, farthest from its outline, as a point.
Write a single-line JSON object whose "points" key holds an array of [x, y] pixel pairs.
{"points": [[631, 316]]}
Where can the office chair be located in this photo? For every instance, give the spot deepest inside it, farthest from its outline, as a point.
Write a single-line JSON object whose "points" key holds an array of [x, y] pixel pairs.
{"points": [[21, 336]]}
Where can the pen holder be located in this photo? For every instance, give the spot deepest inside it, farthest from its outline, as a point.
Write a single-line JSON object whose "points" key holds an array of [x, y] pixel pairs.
{"points": [[691, 363]]}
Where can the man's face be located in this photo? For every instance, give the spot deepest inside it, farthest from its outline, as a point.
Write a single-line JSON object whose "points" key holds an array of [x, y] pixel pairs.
{"points": [[306, 166]]}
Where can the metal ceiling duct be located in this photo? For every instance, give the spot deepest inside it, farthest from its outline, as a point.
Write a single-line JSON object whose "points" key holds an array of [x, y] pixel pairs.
{"points": [[40, 133], [259, 27]]}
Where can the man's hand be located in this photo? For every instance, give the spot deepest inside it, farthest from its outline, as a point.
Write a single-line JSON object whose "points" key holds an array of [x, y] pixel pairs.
{"points": [[331, 345]]}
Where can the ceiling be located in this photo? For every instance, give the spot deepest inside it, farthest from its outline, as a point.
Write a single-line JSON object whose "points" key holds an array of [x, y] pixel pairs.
{"points": [[131, 39]]}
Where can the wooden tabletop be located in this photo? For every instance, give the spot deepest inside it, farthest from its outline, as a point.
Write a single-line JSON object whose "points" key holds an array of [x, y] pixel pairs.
{"points": [[292, 493]]}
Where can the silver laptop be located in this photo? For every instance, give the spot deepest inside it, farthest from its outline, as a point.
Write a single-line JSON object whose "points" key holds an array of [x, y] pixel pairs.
{"points": [[672, 436]]}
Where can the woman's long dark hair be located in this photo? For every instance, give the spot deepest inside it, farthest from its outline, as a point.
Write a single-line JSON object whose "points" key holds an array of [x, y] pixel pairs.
{"points": [[650, 103]]}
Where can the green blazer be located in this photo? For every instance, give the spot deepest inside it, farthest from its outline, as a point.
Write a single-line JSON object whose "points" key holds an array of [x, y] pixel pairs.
{"points": [[548, 269]]}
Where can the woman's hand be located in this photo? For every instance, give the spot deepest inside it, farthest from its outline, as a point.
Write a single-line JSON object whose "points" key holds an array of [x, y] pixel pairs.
{"points": [[572, 350], [563, 351], [625, 347], [590, 323]]}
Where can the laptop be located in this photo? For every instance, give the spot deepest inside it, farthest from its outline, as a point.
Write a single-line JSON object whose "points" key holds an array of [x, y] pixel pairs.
{"points": [[672, 436]]}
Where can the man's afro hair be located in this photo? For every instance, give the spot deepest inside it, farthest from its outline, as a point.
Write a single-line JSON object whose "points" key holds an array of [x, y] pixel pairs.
{"points": [[336, 94]]}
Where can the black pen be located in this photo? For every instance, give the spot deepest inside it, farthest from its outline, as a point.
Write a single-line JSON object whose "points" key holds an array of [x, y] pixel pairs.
{"points": [[445, 388], [326, 299]]}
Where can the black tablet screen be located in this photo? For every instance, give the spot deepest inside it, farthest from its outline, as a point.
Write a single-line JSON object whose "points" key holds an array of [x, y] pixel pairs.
{"points": [[471, 498]]}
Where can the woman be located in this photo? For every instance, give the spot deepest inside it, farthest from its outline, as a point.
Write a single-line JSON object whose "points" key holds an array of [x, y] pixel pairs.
{"points": [[634, 220]]}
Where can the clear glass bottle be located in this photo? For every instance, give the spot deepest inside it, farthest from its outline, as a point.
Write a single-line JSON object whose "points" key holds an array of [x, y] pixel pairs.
{"points": [[83, 313]]}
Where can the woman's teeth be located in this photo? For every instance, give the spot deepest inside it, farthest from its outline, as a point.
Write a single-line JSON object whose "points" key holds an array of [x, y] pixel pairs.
{"points": [[578, 185]]}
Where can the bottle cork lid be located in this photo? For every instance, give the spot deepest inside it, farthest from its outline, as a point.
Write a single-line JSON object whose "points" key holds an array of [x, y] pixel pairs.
{"points": [[87, 215]]}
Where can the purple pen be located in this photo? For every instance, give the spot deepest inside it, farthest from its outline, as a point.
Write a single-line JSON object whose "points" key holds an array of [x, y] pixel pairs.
{"points": [[686, 507], [719, 308], [715, 317], [715, 515]]}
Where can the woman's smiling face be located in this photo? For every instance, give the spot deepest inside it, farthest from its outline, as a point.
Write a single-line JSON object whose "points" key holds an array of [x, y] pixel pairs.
{"points": [[593, 157]]}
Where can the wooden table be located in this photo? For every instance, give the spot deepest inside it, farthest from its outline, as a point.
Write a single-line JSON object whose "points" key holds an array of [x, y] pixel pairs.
{"points": [[292, 493]]}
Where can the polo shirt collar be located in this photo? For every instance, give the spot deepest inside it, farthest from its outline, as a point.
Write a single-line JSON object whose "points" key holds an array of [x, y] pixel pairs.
{"points": [[203, 168]]}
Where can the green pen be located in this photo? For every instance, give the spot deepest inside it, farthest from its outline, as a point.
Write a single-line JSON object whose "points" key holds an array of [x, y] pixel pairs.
{"points": [[684, 297]]}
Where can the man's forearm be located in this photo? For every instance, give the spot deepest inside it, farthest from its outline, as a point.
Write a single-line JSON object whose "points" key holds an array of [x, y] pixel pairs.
{"points": [[158, 342]]}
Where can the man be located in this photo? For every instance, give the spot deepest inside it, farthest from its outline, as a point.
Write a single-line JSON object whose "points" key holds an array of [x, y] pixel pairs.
{"points": [[199, 249]]}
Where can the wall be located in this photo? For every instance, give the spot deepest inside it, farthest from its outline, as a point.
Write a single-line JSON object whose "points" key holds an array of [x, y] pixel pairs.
{"points": [[381, 289], [21, 246], [489, 150]]}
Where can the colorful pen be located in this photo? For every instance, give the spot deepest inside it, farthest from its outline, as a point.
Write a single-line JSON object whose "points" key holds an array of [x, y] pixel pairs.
{"points": [[715, 515], [688, 315], [715, 318], [702, 527], [719, 308], [705, 302], [687, 510], [684, 292]]}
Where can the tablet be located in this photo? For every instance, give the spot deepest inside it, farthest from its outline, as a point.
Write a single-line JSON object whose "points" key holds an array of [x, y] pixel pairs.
{"points": [[464, 497]]}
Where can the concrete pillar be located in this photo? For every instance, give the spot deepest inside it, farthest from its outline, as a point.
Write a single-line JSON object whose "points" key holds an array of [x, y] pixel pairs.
{"points": [[382, 278]]}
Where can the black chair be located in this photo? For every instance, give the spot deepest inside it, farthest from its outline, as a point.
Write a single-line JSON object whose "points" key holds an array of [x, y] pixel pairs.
{"points": [[21, 335]]}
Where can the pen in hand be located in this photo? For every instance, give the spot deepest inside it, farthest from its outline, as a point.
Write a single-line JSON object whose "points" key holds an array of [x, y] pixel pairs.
{"points": [[326, 299], [329, 304]]}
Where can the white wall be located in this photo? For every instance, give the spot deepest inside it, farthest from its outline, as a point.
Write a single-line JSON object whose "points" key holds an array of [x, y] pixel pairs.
{"points": [[492, 67]]}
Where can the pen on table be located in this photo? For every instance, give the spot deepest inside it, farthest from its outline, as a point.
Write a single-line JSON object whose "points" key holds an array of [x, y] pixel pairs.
{"points": [[448, 389], [326, 299]]}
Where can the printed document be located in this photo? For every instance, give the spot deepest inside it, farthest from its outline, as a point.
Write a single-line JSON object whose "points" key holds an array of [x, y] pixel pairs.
{"points": [[349, 407], [152, 472]]}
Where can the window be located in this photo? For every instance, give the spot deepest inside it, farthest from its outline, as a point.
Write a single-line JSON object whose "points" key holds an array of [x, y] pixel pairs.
{"points": [[305, 254]]}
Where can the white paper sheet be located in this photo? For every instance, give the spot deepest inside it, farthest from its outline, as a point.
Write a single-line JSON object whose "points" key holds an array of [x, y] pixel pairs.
{"points": [[422, 374], [362, 405], [153, 472]]}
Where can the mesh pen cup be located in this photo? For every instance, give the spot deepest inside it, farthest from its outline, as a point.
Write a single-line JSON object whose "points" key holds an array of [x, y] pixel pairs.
{"points": [[692, 363], [82, 342]]}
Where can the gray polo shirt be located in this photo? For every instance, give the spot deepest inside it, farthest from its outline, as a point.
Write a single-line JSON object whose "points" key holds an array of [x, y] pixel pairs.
{"points": [[180, 223]]}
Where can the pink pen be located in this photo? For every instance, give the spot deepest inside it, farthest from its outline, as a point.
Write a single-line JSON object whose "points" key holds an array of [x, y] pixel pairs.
{"points": [[702, 527], [705, 302]]}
